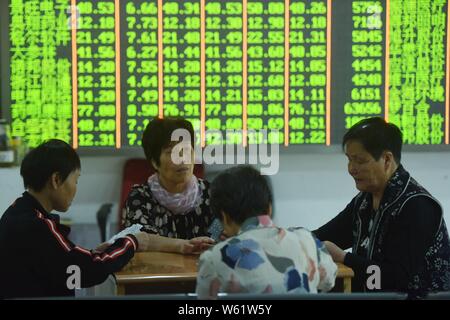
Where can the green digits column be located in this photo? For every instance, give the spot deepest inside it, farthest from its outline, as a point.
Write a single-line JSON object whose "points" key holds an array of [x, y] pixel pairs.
{"points": [[181, 42], [417, 69], [40, 74], [96, 73], [140, 62], [307, 67], [265, 51], [223, 72], [366, 96]]}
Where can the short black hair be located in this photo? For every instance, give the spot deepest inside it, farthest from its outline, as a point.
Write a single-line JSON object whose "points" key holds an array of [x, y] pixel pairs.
{"points": [[157, 136], [376, 135], [49, 157], [241, 192]]}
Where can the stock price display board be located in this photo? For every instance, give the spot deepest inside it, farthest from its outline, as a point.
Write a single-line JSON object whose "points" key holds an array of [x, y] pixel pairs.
{"points": [[94, 72]]}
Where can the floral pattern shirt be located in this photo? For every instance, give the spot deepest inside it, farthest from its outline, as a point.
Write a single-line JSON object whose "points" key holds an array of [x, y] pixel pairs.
{"points": [[263, 258], [142, 207]]}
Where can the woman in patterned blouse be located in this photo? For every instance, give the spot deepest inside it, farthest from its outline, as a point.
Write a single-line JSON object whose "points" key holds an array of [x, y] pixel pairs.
{"points": [[258, 257], [173, 205]]}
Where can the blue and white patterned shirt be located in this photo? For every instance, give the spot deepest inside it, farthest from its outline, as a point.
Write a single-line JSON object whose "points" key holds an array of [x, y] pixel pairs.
{"points": [[263, 258]]}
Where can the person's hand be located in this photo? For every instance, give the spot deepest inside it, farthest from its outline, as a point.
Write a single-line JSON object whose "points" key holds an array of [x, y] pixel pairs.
{"points": [[223, 237], [102, 247], [196, 245], [143, 241], [337, 254]]}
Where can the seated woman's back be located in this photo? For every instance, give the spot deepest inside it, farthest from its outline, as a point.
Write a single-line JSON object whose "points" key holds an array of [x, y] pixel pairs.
{"points": [[258, 257], [263, 258]]}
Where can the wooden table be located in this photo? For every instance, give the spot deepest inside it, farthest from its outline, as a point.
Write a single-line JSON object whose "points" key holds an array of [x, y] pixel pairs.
{"points": [[159, 272]]}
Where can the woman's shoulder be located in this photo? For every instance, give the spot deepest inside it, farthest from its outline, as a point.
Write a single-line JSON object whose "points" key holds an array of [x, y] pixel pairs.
{"points": [[203, 183], [141, 192], [140, 188], [204, 188], [300, 231]]}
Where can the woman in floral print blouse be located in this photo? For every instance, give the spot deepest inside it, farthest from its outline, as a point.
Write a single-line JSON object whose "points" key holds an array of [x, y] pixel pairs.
{"points": [[259, 257], [173, 205]]}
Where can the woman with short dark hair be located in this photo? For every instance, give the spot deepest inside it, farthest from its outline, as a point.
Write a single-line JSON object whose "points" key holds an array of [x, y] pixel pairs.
{"points": [[173, 206], [258, 257]]}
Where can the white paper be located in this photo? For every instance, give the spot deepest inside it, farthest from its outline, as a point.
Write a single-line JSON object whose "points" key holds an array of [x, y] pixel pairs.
{"points": [[135, 228]]}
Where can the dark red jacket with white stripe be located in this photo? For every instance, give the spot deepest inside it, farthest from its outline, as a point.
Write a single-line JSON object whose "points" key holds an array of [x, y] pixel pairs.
{"points": [[35, 254]]}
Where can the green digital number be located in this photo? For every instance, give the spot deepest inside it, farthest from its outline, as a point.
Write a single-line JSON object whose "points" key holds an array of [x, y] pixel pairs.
{"points": [[296, 95], [254, 123], [214, 123], [191, 8], [105, 7], [149, 8], [275, 109], [255, 8], [131, 110], [233, 8], [297, 8], [108, 81], [86, 140], [86, 125], [317, 80], [132, 138], [318, 8], [106, 139], [234, 124], [149, 110], [213, 8], [275, 123], [254, 109], [191, 110], [212, 109], [106, 125], [170, 8], [107, 22], [296, 109], [150, 95], [276, 7], [297, 138], [319, 22], [275, 137], [316, 123], [130, 8], [233, 109], [317, 108], [317, 137], [275, 94], [85, 110], [296, 66], [297, 123]]}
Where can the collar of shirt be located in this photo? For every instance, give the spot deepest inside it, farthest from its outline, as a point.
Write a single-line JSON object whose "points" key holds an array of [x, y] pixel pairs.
{"points": [[262, 221], [395, 187], [35, 204]]}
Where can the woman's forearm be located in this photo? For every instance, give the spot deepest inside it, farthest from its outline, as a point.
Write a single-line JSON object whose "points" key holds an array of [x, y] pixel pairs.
{"points": [[164, 244]]}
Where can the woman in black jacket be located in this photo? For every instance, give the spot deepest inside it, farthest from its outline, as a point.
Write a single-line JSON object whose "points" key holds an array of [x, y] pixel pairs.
{"points": [[394, 226]]}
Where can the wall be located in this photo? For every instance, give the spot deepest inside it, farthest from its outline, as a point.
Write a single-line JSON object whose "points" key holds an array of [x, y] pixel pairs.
{"points": [[309, 189]]}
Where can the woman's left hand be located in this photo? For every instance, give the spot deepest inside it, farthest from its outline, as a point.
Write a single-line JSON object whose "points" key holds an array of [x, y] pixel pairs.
{"points": [[198, 245]]}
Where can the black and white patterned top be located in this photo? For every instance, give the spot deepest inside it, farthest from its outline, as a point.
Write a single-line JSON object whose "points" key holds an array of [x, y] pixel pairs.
{"points": [[142, 207]]}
